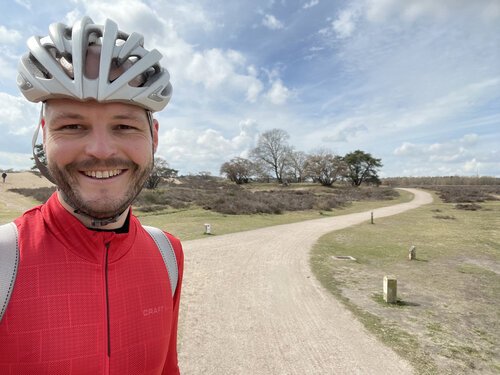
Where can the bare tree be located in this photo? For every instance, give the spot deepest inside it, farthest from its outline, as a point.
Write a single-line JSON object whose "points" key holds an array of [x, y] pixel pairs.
{"points": [[297, 165], [160, 171], [273, 150], [325, 167], [238, 170]]}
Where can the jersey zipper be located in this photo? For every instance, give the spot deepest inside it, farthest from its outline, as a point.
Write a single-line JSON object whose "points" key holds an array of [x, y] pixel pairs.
{"points": [[106, 296]]}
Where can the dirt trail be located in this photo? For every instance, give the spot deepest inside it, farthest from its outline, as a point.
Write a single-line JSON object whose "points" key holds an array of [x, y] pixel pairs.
{"points": [[10, 201], [252, 306]]}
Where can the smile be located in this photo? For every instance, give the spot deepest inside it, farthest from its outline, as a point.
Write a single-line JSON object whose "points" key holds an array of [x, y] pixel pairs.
{"points": [[103, 174]]}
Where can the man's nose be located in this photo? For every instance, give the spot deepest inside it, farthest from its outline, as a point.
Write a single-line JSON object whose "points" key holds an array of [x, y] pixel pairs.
{"points": [[101, 145]]}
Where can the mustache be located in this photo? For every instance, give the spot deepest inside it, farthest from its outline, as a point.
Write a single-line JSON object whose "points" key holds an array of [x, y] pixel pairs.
{"points": [[93, 163]]}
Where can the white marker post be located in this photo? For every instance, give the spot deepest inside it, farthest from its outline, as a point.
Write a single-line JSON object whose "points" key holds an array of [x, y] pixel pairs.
{"points": [[208, 229]]}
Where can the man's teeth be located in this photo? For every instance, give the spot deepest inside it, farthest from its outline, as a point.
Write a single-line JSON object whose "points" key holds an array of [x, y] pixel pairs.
{"points": [[103, 174]]}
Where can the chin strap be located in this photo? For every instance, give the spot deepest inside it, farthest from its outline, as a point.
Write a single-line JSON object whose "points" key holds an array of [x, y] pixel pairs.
{"points": [[99, 223], [41, 167], [94, 222]]}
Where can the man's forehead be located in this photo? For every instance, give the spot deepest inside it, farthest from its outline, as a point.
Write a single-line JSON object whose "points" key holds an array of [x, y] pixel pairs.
{"points": [[58, 108]]}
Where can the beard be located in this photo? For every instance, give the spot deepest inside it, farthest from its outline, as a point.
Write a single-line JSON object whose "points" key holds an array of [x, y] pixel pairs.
{"points": [[107, 205]]}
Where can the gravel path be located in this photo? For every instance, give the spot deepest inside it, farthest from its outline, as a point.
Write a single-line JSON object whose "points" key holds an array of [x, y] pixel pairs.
{"points": [[16, 203], [252, 306]]}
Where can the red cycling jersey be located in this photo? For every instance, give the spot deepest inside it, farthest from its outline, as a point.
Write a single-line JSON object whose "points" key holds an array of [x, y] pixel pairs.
{"points": [[89, 302]]}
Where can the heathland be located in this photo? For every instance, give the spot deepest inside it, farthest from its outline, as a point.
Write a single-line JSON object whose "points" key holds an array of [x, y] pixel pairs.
{"points": [[446, 318]]}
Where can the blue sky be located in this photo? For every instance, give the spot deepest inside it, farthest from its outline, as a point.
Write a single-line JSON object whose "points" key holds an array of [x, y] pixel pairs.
{"points": [[415, 82]]}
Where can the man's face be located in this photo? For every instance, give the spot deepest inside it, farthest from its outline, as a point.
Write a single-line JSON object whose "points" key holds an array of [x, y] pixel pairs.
{"points": [[100, 154]]}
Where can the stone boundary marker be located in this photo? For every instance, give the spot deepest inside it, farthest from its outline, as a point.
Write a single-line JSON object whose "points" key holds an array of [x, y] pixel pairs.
{"points": [[390, 289]]}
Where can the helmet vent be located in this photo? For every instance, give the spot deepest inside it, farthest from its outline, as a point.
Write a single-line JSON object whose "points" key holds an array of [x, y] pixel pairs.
{"points": [[90, 61], [37, 68]]}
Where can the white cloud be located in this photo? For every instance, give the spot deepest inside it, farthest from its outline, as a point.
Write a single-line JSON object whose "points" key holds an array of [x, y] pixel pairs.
{"points": [[215, 68], [15, 160], [345, 131], [472, 165], [210, 68], [411, 10], [310, 4], [272, 22], [9, 36], [130, 15], [470, 139], [442, 153], [207, 149], [407, 149], [7, 69], [452, 103], [192, 14], [17, 116], [278, 93], [462, 163], [345, 25]]}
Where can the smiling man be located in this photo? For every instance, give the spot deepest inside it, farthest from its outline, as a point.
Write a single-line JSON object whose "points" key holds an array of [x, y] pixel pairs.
{"points": [[99, 154], [95, 292]]}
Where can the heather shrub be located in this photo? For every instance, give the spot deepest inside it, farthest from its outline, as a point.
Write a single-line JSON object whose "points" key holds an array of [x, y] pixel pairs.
{"points": [[468, 206], [40, 194], [467, 194], [222, 196]]}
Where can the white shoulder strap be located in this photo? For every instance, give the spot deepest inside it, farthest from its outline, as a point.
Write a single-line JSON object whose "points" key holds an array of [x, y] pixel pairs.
{"points": [[9, 261], [167, 253]]}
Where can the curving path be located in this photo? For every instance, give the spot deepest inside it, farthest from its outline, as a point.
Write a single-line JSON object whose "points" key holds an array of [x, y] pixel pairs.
{"points": [[252, 306]]}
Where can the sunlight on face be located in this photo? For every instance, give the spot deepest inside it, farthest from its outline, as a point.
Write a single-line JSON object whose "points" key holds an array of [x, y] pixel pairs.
{"points": [[100, 154]]}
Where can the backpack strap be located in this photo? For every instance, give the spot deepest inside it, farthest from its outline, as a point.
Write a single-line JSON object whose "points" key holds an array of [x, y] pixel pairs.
{"points": [[167, 253], [9, 261]]}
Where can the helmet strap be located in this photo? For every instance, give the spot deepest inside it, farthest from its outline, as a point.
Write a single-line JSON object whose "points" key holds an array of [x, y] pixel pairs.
{"points": [[41, 167]]}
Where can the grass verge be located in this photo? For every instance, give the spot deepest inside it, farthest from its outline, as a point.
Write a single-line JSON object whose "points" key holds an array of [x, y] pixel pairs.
{"points": [[446, 321], [189, 224]]}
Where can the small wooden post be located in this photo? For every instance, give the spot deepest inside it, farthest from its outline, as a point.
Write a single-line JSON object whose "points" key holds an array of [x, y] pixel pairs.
{"points": [[412, 253], [390, 289], [372, 218]]}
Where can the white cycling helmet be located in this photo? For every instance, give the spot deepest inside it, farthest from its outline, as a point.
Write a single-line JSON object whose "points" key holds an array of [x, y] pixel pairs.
{"points": [[55, 66]]}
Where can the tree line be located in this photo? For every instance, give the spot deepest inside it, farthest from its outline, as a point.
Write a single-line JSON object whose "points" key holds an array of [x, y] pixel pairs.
{"points": [[274, 158]]}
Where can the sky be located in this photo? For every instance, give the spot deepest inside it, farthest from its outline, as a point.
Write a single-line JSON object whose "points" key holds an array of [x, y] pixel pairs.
{"points": [[415, 83]]}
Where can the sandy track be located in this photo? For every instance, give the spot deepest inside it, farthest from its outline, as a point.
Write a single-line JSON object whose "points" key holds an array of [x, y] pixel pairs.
{"points": [[252, 306], [17, 202]]}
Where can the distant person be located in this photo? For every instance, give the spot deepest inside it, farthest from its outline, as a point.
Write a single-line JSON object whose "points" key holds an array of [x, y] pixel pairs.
{"points": [[4, 176], [93, 293]]}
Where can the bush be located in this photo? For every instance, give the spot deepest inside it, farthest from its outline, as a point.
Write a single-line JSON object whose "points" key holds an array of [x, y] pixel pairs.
{"points": [[467, 194], [468, 206], [39, 194], [225, 197]]}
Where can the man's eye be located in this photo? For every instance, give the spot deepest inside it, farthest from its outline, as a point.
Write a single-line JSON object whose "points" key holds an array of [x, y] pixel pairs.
{"points": [[71, 127], [125, 127]]}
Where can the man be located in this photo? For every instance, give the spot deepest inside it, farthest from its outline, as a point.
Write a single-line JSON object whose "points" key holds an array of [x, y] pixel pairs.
{"points": [[92, 294], [4, 176]]}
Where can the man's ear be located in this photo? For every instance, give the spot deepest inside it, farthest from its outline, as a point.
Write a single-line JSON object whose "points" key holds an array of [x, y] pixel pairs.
{"points": [[156, 126]]}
